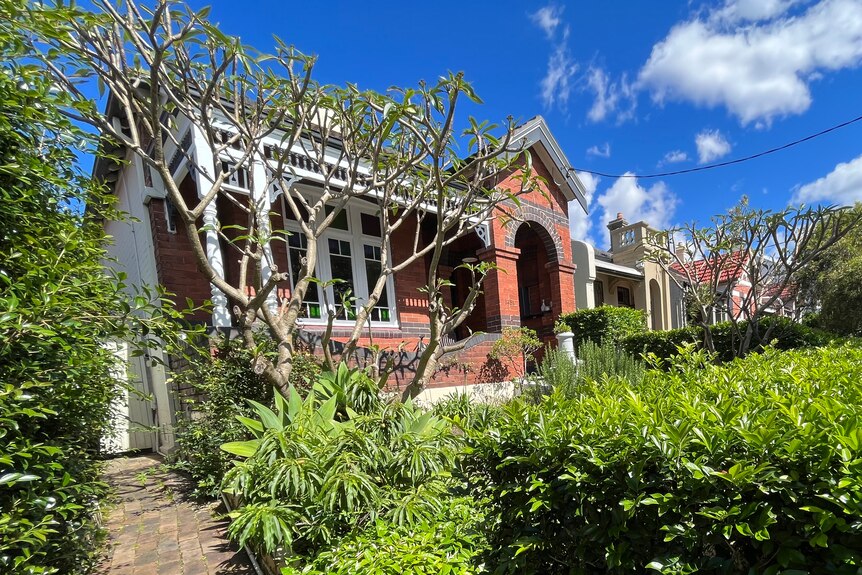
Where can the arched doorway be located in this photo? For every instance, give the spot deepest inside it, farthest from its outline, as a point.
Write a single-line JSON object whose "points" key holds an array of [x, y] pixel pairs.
{"points": [[655, 305], [535, 295]]}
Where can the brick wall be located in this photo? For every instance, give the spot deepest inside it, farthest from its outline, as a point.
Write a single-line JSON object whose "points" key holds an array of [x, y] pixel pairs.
{"points": [[176, 265]]}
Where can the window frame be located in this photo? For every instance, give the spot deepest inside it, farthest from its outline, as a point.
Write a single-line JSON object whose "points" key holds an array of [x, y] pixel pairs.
{"points": [[357, 240], [630, 303], [598, 293]]}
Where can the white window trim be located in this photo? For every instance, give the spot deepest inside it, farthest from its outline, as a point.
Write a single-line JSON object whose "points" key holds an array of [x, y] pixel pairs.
{"points": [[357, 261]]}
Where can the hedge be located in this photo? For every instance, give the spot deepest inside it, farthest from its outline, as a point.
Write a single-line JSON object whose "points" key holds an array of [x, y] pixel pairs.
{"points": [[786, 334], [749, 467], [605, 322]]}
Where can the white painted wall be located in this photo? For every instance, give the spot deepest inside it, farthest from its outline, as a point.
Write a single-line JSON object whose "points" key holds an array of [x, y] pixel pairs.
{"points": [[584, 257], [132, 252]]}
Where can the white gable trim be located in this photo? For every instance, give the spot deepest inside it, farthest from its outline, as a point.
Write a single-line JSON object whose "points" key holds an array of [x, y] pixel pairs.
{"points": [[536, 131]]}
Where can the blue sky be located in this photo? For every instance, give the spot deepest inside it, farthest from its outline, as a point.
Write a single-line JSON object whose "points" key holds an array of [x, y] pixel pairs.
{"points": [[638, 87]]}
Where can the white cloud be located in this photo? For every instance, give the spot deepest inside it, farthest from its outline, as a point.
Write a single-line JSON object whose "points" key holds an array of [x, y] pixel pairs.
{"points": [[842, 186], [755, 58], [579, 221], [603, 151], [674, 157], [655, 205], [556, 85], [610, 97], [547, 18], [753, 10], [711, 145]]}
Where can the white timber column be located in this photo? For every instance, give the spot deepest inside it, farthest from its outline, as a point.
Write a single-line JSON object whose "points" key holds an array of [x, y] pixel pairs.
{"points": [[204, 174], [262, 200]]}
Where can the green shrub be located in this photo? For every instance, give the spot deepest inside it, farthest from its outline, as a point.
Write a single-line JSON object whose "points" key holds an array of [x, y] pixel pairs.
{"points": [[310, 477], [557, 372], [222, 384], [664, 344], [754, 466], [782, 332], [465, 412], [58, 311], [605, 322], [352, 388], [605, 360], [451, 542], [566, 378]]}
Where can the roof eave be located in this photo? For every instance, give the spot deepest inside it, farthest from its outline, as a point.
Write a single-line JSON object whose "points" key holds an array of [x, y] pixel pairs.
{"points": [[536, 131]]}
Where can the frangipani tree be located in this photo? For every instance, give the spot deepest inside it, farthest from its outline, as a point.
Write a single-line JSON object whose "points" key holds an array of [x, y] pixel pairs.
{"points": [[258, 117], [744, 262]]}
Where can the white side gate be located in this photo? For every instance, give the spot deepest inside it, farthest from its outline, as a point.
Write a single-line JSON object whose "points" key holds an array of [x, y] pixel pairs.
{"points": [[133, 419]]}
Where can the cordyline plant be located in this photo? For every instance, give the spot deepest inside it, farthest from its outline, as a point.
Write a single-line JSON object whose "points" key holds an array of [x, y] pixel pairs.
{"points": [[166, 65], [761, 248]]}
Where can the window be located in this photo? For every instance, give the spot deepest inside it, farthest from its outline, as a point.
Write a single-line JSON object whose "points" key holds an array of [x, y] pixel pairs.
{"points": [[349, 252], [341, 270], [721, 311], [238, 178], [624, 297], [296, 249], [171, 216], [599, 293]]}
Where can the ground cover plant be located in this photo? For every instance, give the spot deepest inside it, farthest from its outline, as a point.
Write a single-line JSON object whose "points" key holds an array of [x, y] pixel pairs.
{"points": [[753, 466]]}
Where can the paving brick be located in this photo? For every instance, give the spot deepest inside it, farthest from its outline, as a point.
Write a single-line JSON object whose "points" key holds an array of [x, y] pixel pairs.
{"points": [[155, 529]]}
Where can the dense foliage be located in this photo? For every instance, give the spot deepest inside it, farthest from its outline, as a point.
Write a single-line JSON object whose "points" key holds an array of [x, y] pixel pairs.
{"points": [[832, 284], [450, 543], [752, 466], [560, 375], [333, 464], [780, 332], [217, 387], [58, 309], [604, 322], [597, 361]]}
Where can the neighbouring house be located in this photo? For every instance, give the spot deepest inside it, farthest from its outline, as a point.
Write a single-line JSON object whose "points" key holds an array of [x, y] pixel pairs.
{"points": [[734, 286], [785, 304], [732, 283], [532, 285], [621, 277]]}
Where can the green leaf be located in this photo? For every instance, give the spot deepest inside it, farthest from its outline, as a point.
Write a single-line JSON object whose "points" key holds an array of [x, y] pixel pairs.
{"points": [[242, 448]]}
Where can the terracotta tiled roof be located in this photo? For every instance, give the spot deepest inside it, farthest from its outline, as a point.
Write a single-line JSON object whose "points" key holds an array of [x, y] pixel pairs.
{"points": [[732, 266], [786, 294]]}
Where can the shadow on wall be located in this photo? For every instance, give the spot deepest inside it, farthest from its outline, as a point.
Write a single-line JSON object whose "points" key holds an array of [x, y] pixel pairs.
{"points": [[470, 365]]}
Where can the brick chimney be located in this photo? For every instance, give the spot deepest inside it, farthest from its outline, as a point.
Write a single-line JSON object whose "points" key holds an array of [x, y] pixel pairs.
{"points": [[616, 224]]}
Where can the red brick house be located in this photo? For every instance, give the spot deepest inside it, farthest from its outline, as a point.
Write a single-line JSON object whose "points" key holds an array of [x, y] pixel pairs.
{"points": [[532, 286], [732, 282]]}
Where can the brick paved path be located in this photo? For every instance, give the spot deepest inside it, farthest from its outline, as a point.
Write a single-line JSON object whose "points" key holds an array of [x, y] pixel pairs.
{"points": [[156, 530]]}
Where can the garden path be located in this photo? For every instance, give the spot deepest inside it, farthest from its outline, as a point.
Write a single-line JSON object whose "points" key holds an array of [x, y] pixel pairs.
{"points": [[155, 529]]}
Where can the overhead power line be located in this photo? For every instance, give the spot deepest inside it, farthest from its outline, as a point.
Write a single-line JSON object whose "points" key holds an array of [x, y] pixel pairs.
{"points": [[725, 163]]}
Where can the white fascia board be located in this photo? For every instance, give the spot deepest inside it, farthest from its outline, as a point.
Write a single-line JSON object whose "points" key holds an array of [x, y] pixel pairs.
{"points": [[536, 131], [617, 269]]}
